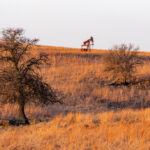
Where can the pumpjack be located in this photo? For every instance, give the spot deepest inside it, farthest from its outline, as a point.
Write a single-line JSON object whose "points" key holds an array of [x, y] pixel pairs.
{"points": [[87, 45]]}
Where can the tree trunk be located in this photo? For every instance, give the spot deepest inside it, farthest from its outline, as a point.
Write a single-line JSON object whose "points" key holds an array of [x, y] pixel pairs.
{"points": [[22, 115]]}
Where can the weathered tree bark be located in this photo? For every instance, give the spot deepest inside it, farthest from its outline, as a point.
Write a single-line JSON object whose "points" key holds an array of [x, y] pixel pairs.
{"points": [[22, 115]]}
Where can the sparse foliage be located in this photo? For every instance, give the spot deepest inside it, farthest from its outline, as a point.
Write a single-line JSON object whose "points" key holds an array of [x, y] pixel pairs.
{"points": [[121, 61], [19, 79]]}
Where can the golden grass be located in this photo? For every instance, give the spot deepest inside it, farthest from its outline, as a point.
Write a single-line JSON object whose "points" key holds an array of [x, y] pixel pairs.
{"points": [[91, 125], [55, 49], [123, 130]]}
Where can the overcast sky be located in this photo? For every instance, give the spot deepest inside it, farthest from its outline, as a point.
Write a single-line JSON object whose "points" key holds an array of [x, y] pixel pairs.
{"points": [[69, 22]]}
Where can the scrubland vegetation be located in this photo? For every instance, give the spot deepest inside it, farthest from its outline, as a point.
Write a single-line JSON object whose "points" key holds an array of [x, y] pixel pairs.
{"points": [[93, 116], [96, 115]]}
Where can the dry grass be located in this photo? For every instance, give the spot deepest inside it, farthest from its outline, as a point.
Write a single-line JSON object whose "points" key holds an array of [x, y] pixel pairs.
{"points": [[123, 130], [87, 120]]}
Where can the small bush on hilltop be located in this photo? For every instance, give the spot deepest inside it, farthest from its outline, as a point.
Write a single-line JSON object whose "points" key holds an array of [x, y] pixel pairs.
{"points": [[121, 62]]}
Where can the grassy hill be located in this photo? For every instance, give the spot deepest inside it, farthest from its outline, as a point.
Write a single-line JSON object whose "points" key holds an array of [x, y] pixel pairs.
{"points": [[93, 117]]}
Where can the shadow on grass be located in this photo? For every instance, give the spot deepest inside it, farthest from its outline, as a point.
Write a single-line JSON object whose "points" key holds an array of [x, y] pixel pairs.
{"points": [[103, 105]]}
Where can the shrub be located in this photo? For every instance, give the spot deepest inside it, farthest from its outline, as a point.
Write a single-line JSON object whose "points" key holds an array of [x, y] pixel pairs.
{"points": [[121, 62]]}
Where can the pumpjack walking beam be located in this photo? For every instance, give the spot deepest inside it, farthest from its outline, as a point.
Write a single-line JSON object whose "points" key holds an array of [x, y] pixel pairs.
{"points": [[86, 46]]}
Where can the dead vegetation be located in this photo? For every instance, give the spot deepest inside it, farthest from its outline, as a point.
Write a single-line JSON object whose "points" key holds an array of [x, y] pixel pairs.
{"points": [[95, 115], [127, 129], [81, 78]]}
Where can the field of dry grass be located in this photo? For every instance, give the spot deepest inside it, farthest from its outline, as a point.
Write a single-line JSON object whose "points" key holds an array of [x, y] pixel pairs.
{"points": [[93, 116], [123, 130]]}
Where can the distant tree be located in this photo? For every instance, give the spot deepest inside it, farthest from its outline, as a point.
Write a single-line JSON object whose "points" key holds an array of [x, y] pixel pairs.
{"points": [[20, 81], [121, 61]]}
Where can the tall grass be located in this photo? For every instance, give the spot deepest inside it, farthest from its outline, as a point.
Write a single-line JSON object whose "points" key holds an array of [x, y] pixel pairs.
{"points": [[78, 76], [123, 130], [93, 117]]}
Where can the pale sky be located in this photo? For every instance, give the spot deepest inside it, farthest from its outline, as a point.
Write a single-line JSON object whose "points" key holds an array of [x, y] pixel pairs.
{"points": [[70, 22]]}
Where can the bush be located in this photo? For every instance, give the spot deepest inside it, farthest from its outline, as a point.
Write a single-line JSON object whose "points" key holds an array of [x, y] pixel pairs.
{"points": [[121, 62]]}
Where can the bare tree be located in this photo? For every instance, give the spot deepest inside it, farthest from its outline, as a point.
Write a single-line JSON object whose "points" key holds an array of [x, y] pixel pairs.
{"points": [[121, 61], [20, 81]]}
